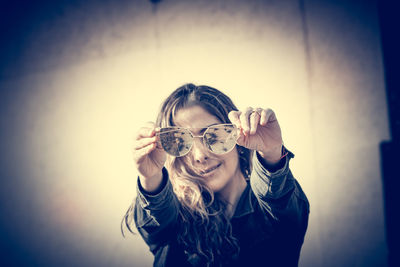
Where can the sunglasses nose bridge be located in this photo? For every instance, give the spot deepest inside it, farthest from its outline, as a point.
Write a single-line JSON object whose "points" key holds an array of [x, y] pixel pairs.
{"points": [[200, 141], [199, 137]]}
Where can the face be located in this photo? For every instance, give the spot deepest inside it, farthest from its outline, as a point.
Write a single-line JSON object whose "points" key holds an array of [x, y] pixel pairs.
{"points": [[219, 171]]}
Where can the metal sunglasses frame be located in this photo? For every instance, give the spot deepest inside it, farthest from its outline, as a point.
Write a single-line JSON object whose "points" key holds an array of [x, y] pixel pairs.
{"points": [[204, 141]]}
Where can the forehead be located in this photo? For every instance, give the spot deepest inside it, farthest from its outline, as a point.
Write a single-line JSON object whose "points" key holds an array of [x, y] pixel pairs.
{"points": [[194, 117]]}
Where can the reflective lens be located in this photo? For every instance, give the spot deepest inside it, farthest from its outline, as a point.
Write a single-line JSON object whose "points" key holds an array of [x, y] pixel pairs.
{"points": [[219, 139], [176, 141]]}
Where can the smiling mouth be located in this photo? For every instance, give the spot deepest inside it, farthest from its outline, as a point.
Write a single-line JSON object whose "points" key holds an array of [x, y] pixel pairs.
{"points": [[210, 169]]}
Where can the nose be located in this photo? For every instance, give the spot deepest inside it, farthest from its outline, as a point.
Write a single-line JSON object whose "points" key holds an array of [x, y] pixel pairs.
{"points": [[199, 152]]}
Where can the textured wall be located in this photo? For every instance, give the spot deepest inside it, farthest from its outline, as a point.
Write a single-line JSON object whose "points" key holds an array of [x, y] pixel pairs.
{"points": [[79, 78]]}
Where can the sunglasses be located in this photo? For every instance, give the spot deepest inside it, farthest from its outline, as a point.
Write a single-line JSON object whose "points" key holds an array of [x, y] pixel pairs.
{"points": [[219, 139]]}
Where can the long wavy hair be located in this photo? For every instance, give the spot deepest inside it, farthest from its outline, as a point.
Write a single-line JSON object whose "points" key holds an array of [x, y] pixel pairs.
{"points": [[205, 230]]}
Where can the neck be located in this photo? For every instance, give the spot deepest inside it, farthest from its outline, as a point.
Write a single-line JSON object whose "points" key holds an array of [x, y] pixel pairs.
{"points": [[232, 192]]}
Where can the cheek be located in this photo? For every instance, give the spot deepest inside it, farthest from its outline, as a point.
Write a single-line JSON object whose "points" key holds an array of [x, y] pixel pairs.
{"points": [[232, 161]]}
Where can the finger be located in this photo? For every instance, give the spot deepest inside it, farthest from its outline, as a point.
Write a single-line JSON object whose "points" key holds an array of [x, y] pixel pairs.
{"points": [[267, 116], [143, 142], [263, 118], [244, 120], [234, 118], [141, 154], [254, 120], [148, 131]]}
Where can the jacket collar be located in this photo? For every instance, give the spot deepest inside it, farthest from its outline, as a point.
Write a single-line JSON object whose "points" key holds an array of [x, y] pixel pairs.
{"points": [[245, 205]]}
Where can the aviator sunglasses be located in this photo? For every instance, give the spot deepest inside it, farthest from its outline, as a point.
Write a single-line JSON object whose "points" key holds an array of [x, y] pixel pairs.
{"points": [[219, 139]]}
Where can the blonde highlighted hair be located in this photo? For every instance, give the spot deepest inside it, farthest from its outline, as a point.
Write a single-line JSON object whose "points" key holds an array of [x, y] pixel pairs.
{"points": [[205, 229]]}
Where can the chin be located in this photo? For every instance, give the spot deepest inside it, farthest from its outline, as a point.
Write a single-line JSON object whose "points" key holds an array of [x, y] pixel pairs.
{"points": [[217, 184]]}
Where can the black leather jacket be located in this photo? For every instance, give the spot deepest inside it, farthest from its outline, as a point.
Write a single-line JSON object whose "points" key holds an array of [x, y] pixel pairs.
{"points": [[270, 220]]}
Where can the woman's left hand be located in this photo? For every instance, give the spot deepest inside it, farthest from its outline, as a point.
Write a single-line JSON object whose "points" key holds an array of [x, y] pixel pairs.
{"points": [[260, 131]]}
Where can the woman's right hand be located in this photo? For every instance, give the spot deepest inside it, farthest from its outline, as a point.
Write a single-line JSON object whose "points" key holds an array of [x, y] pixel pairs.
{"points": [[148, 158]]}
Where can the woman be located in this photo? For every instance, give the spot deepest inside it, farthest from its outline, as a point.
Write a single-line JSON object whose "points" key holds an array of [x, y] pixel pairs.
{"points": [[214, 185]]}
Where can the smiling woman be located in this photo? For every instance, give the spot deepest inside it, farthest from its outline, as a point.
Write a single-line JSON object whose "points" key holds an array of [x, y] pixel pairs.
{"points": [[214, 185]]}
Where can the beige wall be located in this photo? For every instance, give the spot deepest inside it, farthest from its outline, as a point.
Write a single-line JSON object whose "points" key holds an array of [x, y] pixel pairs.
{"points": [[88, 77]]}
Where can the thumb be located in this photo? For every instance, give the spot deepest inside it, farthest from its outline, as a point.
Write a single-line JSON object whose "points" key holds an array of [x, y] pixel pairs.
{"points": [[242, 138]]}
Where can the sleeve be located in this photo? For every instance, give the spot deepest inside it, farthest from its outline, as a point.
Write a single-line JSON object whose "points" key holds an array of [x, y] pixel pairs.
{"points": [[279, 194], [156, 214]]}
